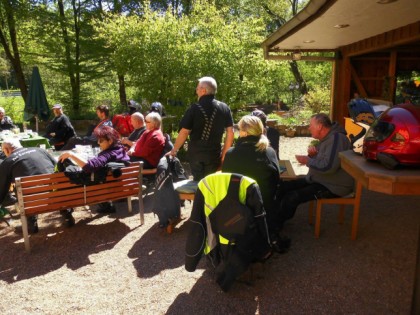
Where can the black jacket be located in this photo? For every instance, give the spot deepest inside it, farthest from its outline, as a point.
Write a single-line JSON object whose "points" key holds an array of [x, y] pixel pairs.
{"points": [[198, 229], [62, 128], [263, 167], [24, 162]]}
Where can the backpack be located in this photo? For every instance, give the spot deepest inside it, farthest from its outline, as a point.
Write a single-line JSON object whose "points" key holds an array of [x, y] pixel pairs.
{"points": [[167, 204], [77, 176], [122, 123], [236, 222]]}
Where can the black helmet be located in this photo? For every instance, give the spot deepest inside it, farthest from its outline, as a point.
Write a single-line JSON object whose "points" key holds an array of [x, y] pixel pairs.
{"points": [[133, 104], [261, 115], [157, 107]]}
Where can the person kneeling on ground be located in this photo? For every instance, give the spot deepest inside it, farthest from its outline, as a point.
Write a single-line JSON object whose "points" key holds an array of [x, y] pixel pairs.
{"points": [[111, 151]]}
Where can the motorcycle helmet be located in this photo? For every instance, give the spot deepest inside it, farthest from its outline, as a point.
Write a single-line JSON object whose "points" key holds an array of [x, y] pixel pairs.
{"points": [[394, 138], [157, 107]]}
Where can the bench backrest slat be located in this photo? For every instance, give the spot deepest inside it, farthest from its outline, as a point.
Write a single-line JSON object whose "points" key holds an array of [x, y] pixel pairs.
{"points": [[49, 192]]}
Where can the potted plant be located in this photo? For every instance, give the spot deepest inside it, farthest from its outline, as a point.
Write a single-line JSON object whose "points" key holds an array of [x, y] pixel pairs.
{"points": [[290, 124], [272, 120]]}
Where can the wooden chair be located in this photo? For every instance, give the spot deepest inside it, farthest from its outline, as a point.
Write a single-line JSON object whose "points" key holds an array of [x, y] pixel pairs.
{"points": [[352, 199], [186, 189]]}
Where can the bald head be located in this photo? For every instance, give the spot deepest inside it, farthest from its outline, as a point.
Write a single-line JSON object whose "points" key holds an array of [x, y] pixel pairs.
{"points": [[137, 120]]}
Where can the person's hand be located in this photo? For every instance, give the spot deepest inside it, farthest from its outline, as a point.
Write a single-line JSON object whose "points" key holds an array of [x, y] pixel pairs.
{"points": [[124, 140], [302, 159], [312, 151], [63, 156], [172, 153], [52, 134]]}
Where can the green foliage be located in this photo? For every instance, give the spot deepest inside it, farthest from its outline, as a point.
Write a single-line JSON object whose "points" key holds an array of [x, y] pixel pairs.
{"points": [[14, 107], [161, 54], [274, 116], [170, 53], [290, 121], [318, 100]]}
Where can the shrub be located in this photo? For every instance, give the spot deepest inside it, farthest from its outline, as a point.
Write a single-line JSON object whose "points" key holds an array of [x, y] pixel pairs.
{"points": [[318, 100], [13, 106]]}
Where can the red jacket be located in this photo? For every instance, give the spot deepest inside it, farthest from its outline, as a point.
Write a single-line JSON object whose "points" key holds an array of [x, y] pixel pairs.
{"points": [[150, 146]]}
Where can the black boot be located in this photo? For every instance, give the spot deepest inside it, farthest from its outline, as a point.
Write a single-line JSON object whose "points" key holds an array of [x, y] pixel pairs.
{"points": [[106, 207], [280, 243], [68, 219], [32, 225]]}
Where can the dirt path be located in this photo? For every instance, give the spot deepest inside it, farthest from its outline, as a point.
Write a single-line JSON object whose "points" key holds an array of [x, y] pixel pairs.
{"points": [[111, 265]]}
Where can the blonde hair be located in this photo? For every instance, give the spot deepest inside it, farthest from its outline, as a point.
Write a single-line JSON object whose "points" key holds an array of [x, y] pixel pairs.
{"points": [[253, 126]]}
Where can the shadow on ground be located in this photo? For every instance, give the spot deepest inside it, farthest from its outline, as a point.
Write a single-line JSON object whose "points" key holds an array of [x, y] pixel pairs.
{"points": [[77, 243]]}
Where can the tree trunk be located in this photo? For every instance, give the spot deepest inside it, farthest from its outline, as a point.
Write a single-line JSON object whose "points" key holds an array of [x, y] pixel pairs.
{"points": [[76, 92], [70, 63], [121, 89], [303, 89], [14, 57], [280, 21]]}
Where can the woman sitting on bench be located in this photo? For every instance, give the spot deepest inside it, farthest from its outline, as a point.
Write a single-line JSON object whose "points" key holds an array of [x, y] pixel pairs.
{"points": [[111, 151], [149, 148]]}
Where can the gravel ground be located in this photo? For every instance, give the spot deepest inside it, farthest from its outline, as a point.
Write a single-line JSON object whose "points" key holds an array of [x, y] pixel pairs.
{"points": [[111, 265]]}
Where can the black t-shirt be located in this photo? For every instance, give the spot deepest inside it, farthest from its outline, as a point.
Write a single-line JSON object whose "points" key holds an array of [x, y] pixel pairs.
{"points": [[207, 120], [135, 135]]}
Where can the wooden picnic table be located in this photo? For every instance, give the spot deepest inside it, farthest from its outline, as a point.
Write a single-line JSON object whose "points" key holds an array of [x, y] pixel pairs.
{"points": [[31, 142]]}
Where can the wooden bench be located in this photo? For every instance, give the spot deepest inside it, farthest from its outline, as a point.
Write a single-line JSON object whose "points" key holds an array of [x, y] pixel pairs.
{"points": [[53, 192]]}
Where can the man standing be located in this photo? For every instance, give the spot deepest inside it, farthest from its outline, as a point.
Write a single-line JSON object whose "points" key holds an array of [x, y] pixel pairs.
{"points": [[102, 111], [205, 123], [6, 122], [325, 178], [21, 162], [59, 130]]}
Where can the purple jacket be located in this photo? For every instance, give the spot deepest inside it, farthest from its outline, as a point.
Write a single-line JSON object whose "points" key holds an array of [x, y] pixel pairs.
{"points": [[115, 153]]}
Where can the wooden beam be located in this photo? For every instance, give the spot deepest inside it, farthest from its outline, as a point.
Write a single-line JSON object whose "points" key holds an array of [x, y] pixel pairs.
{"points": [[400, 36], [392, 76], [359, 84], [303, 58]]}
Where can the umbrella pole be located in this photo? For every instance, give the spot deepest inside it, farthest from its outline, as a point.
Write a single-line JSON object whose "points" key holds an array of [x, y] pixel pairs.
{"points": [[36, 123]]}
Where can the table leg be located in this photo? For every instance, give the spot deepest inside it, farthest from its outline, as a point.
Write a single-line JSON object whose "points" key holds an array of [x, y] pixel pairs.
{"points": [[356, 210], [415, 304]]}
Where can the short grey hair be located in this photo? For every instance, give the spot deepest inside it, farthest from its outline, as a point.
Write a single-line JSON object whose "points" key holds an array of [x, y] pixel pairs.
{"points": [[323, 119], [12, 143], [2, 110], [155, 118], [209, 84]]}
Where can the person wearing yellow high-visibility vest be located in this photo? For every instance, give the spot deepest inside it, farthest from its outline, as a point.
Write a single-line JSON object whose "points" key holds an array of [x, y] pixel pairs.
{"points": [[202, 238]]}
